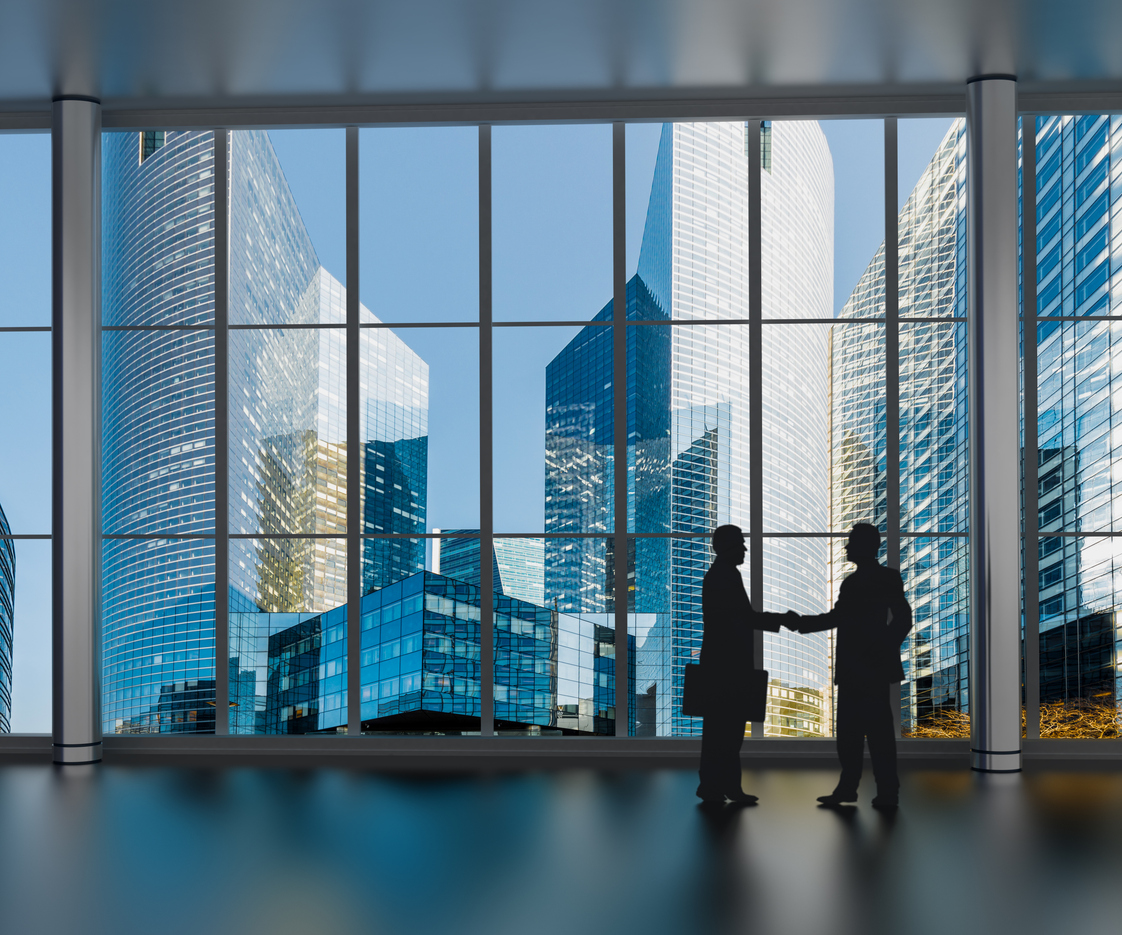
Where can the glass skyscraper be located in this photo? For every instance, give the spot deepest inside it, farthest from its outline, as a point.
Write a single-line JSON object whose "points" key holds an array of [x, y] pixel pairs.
{"points": [[687, 419], [7, 620], [933, 431], [1078, 274], [517, 566], [287, 444]]}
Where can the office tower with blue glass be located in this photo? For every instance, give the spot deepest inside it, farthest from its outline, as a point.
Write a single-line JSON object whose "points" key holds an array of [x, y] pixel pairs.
{"points": [[688, 411], [1076, 418], [517, 565], [287, 445], [7, 620], [933, 428], [1078, 244]]}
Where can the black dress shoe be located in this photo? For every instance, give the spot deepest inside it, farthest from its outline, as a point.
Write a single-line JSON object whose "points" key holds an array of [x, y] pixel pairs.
{"points": [[710, 798], [886, 803], [837, 798], [742, 798]]}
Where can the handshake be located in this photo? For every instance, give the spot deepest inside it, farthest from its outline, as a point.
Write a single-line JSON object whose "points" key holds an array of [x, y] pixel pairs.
{"points": [[791, 621]]}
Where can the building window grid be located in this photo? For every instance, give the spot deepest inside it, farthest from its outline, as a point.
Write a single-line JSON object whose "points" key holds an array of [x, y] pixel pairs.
{"points": [[1085, 181]]}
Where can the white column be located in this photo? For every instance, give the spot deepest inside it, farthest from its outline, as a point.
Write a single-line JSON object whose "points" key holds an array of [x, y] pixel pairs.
{"points": [[995, 519], [76, 319]]}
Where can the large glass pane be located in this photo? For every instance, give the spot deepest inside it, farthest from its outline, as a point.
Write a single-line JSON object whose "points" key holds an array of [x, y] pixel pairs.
{"points": [[857, 427], [419, 215], [551, 221], [798, 576], [25, 237], [419, 426], [157, 225], [553, 431], [665, 628], [25, 424], [855, 154], [934, 444], [288, 635], [158, 432], [158, 636], [25, 636], [934, 693], [287, 227], [822, 396], [1079, 641], [288, 451], [932, 220]]}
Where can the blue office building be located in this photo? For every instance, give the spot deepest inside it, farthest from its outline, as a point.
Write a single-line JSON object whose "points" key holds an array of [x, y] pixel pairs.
{"points": [[420, 669], [517, 565], [287, 431]]}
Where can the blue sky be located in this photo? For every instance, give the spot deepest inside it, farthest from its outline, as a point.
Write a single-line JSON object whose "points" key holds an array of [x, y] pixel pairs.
{"points": [[419, 222]]}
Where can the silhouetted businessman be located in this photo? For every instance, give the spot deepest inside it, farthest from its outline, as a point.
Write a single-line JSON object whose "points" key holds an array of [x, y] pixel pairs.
{"points": [[872, 617], [727, 660]]}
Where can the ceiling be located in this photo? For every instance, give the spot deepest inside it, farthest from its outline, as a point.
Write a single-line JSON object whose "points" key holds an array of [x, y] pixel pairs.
{"points": [[409, 55]]}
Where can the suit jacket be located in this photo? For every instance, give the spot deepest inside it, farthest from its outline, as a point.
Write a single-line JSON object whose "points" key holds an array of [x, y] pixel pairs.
{"points": [[868, 640], [727, 644]]}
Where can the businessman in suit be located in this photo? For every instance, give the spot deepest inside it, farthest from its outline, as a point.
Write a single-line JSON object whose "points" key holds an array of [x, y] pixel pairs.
{"points": [[727, 659], [872, 617]]}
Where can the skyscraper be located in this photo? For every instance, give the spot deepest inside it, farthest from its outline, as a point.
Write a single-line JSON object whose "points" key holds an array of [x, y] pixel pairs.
{"points": [[933, 430], [517, 566], [287, 444], [1078, 413], [7, 621], [687, 419]]}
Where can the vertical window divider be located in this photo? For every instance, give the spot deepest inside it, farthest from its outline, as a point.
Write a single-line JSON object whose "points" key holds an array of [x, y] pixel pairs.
{"points": [[621, 595], [486, 457], [1030, 458], [892, 364], [355, 459], [221, 433], [755, 393]]}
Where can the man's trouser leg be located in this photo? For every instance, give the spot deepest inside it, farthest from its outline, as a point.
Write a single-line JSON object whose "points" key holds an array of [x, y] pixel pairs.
{"points": [[850, 737], [721, 740], [881, 731]]}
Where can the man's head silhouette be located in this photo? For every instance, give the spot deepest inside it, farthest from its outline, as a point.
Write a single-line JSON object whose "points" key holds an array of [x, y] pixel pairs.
{"points": [[863, 544], [728, 542]]}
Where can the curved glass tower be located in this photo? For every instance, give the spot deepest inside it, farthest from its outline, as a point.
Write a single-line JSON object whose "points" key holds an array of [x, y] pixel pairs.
{"points": [[287, 432], [7, 606], [688, 415]]}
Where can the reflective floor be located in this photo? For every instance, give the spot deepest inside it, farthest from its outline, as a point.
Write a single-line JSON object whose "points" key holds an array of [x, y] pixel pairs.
{"points": [[247, 851]]}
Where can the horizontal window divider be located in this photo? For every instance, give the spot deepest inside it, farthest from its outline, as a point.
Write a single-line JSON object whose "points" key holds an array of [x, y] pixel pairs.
{"points": [[418, 324], [26, 535], [203, 327], [1045, 318], [287, 535], [566, 323], [15, 329], [298, 326], [158, 535], [1078, 535]]}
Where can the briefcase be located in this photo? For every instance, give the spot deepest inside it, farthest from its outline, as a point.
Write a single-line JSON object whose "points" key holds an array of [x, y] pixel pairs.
{"points": [[749, 695]]}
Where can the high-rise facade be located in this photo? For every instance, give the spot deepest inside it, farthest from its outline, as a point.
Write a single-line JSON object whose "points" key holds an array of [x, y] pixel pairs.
{"points": [[287, 430], [933, 430], [517, 565], [7, 620], [1079, 273], [1077, 244], [688, 411]]}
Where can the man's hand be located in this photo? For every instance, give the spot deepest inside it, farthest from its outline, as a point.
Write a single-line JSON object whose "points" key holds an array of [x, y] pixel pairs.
{"points": [[791, 621]]}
